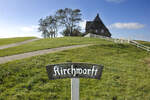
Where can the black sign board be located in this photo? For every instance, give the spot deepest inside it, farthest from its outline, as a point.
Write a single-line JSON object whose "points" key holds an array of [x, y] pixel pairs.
{"points": [[74, 70]]}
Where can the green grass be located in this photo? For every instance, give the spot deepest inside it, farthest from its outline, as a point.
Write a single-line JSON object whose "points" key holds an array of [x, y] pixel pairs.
{"points": [[144, 43], [50, 43], [5, 41], [126, 75]]}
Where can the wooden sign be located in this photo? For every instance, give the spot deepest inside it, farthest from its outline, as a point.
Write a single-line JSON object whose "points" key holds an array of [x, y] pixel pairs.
{"points": [[74, 70]]}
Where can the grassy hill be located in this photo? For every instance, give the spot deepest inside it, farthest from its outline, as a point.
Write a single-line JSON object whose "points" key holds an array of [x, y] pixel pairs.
{"points": [[5, 41], [144, 43], [50, 43], [126, 74]]}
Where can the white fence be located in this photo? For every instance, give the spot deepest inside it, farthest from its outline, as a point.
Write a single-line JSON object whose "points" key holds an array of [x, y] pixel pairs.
{"points": [[140, 45], [121, 40]]}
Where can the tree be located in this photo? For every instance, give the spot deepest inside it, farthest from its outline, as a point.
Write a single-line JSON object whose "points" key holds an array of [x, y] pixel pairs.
{"points": [[65, 32], [43, 27], [53, 25], [69, 18], [48, 26], [75, 32]]}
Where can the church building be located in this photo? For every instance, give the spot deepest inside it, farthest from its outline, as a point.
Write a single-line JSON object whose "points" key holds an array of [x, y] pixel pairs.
{"points": [[97, 27]]}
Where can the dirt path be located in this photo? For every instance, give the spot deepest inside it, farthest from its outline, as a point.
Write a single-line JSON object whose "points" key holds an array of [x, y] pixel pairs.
{"points": [[40, 52], [17, 44]]}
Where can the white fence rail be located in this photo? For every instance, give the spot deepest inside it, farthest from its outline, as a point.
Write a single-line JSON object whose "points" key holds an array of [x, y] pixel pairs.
{"points": [[140, 45], [120, 41]]}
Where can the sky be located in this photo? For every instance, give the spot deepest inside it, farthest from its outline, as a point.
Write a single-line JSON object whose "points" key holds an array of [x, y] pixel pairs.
{"points": [[127, 19]]}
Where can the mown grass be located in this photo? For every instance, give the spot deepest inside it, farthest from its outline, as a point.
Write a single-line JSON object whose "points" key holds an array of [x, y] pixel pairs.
{"points": [[5, 41], [50, 43], [126, 75], [144, 43]]}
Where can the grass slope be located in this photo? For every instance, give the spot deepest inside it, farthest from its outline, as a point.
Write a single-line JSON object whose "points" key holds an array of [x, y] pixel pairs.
{"points": [[50, 43], [126, 75], [144, 43], [5, 41]]}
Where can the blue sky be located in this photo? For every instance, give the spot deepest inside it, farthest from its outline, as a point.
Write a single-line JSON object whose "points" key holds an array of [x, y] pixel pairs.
{"points": [[124, 18]]}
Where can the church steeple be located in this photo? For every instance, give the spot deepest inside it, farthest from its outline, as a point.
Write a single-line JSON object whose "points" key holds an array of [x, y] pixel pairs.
{"points": [[97, 27], [97, 18], [97, 15]]}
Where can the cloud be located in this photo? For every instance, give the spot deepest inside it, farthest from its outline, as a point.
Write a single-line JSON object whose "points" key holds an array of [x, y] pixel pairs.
{"points": [[19, 31], [115, 1], [82, 24], [32, 28], [127, 25]]}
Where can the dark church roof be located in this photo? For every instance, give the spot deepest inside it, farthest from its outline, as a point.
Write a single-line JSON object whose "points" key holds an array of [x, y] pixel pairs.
{"points": [[97, 18], [90, 24], [97, 24]]}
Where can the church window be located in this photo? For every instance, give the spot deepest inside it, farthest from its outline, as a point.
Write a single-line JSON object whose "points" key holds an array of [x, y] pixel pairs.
{"points": [[96, 31], [102, 31]]}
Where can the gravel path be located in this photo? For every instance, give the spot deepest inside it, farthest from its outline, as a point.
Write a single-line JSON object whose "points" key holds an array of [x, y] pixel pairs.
{"points": [[17, 44], [40, 52]]}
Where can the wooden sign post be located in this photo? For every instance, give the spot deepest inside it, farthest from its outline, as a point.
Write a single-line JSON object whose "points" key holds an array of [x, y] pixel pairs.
{"points": [[74, 71], [75, 88]]}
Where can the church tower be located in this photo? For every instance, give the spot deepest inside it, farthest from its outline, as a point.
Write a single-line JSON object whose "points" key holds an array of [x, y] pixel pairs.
{"points": [[97, 27]]}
